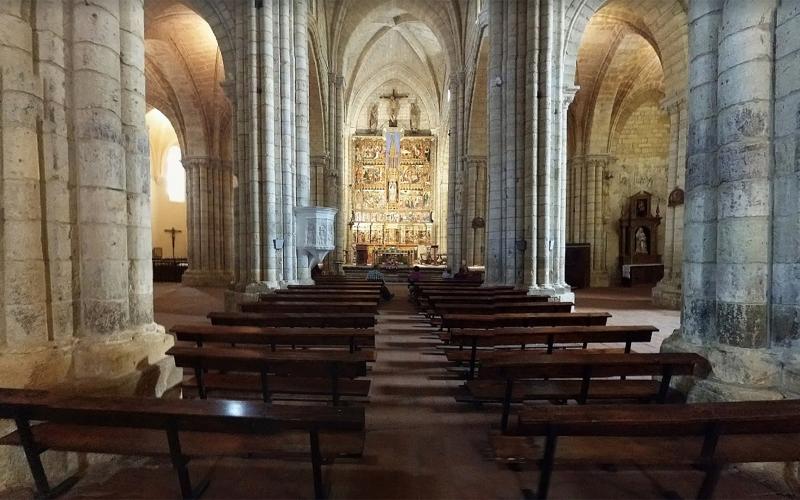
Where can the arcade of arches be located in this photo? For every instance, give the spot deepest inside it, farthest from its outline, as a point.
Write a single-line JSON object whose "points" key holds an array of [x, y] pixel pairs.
{"points": [[548, 144]]}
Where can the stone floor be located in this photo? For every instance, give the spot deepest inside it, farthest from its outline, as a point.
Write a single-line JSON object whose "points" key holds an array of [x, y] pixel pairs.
{"points": [[420, 443]]}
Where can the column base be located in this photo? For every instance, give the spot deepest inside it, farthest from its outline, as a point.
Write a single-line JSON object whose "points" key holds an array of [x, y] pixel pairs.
{"points": [[668, 294], [247, 293], [599, 279], [742, 374], [554, 293], [127, 363], [200, 278]]}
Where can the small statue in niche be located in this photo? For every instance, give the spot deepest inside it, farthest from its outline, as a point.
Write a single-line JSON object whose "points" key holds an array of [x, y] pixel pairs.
{"points": [[414, 120], [373, 117], [641, 241]]}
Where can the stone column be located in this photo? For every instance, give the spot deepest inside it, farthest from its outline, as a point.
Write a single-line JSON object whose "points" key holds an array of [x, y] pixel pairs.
{"points": [[302, 141], [455, 173], [208, 184], [667, 292], [596, 166], [495, 212], [343, 215], [731, 214]]}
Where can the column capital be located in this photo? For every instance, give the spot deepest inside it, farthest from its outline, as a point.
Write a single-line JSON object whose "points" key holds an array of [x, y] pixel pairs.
{"points": [[568, 94], [673, 104]]}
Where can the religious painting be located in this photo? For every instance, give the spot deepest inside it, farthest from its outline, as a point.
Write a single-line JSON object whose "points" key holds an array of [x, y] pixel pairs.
{"points": [[392, 201]]}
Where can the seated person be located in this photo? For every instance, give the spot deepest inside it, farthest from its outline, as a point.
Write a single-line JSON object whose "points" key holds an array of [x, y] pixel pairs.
{"points": [[316, 271], [447, 274], [375, 274], [413, 277], [463, 273]]}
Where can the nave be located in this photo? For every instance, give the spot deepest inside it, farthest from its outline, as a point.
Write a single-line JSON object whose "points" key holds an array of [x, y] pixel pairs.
{"points": [[420, 442]]}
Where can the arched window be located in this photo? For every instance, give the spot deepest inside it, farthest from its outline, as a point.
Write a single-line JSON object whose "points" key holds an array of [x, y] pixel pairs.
{"points": [[175, 176]]}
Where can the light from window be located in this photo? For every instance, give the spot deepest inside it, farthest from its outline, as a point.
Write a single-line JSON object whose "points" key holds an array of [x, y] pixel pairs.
{"points": [[176, 176]]}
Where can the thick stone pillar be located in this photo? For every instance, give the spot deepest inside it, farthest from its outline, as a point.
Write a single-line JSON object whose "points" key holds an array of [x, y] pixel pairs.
{"points": [[209, 188], [506, 213], [302, 142], [455, 195], [734, 240], [667, 292], [272, 147]]}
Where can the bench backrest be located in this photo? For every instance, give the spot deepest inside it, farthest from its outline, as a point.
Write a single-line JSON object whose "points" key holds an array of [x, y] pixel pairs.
{"points": [[300, 362], [741, 417], [204, 333], [533, 307], [303, 306], [322, 296], [526, 365], [238, 417], [556, 335], [295, 320], [523, 320]]}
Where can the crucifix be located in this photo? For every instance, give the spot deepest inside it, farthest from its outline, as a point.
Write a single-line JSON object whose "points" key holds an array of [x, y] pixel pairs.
{"points": [[394, 105], [172, 231]]}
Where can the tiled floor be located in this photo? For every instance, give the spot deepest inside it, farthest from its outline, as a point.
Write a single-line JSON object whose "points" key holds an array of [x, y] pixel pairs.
{"points": [[420, 443]]}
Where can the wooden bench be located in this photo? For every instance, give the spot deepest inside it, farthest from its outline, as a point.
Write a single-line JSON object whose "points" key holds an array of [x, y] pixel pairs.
{"points": [[505, 308], [295, 320], [305, 368], [487, 321], [365, 292], [547, 337], [364, 285], [323, 296], [202, 333], [303, 306], [498, 377], [179, 429], [704, 436]]}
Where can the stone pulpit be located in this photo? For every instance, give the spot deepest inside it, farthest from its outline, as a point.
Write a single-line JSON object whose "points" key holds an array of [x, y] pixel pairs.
{"points": [[638, 243], [315, 232]]}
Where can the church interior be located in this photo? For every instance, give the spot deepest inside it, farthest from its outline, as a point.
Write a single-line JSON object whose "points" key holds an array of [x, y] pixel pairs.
{"points": [[400, 249]]}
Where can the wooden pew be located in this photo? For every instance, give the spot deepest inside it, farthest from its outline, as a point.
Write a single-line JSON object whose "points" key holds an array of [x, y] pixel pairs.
{"points": [[704, 436], [294, 320], [179, 429], [304, 367], [203, 333], [297, 306], [547, 337], [581, 370], [487, 321], [330, 291], [503, 308], [363, 285], [325, 296]]}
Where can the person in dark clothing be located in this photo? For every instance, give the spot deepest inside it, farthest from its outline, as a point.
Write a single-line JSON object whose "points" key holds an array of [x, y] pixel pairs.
{"points": [[413, 277], [375, 274]]}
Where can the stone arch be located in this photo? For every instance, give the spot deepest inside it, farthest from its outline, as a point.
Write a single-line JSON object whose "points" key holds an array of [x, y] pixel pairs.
{"points": [[349, 15], [665, 25], [221, 21]]}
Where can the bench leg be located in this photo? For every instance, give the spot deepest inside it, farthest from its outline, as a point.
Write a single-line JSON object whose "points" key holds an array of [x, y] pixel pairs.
{"points": [[710, 480], [506, 405], [33, 457], [265, 394], [472, 358], [546, 470], [201, 385], [180, 462], [316, 465]]}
